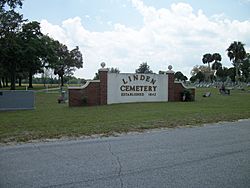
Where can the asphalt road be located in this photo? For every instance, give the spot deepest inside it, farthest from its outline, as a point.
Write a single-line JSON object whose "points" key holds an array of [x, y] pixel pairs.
{"points": [[209, 156]]}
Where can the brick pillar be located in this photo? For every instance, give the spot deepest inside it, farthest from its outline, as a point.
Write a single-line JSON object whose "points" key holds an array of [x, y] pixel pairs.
{"points": [[170, 74], [103, 73]]}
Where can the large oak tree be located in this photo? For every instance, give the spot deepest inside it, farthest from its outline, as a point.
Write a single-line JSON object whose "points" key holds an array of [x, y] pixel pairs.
{"points": [[65, 61], [10, 26], [32, 49], [144, 68]]}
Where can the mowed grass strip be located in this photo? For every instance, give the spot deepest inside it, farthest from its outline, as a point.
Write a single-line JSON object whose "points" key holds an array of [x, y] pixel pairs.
{"points": [[53, 120]]}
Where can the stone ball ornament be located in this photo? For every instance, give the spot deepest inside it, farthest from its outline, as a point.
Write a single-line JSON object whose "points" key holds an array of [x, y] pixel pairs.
{"points": [[170, 67], [103, 64]]}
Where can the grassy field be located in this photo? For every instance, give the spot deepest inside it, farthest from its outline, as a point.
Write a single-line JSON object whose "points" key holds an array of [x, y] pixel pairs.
{"points": [[53, 120]]}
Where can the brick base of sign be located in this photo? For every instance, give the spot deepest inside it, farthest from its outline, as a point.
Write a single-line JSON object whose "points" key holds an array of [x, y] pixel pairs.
{"points": [[179, 88], [95, 92], [88, 96]]}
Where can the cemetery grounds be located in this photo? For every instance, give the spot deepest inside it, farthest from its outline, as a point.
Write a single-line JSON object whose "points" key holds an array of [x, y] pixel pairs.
{"points": [[51, 120]]}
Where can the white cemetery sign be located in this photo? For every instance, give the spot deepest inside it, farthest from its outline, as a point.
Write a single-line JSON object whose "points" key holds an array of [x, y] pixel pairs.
{"points": [[125, 88]]}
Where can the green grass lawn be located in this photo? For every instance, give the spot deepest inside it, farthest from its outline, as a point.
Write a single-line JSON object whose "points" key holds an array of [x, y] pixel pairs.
{"points": [[53, 120]]}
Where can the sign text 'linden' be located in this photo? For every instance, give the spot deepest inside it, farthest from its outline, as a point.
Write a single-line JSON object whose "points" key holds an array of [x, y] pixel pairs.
{"points": [[127, 87]]}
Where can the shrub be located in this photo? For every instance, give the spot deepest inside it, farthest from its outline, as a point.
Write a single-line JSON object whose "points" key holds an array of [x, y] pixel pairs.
{"points": [[186, 95], [84, 100]]}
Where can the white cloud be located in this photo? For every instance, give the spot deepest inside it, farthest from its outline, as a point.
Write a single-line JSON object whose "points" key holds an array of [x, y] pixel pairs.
{"points": [[87, 16], [177, 36], [244, 1]]}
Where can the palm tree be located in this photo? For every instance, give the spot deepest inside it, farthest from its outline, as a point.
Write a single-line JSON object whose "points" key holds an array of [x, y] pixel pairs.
{"points": [[207, 59], [236, 53], [245, 68], [217, 64]]}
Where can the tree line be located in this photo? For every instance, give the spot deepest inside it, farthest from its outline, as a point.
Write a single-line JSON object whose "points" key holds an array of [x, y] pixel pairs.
{"points": [[239, 72], [25, 50], [215, 72]]}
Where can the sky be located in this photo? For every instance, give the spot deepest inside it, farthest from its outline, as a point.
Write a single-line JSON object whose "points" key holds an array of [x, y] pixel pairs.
{"points": [[126, 33]]}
